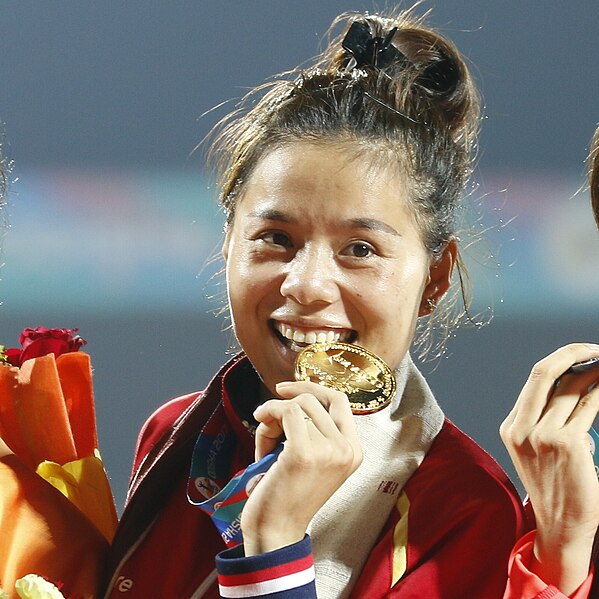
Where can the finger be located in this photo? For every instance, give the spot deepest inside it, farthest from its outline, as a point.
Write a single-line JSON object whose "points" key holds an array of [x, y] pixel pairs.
{"points": [[538, 388], [314, 412], [322, 430], [291, 389], [335, 403], [278, 417], [579, 382], [338, 424], [566, 397], [585, 412], [268, 436], [270, 413]]}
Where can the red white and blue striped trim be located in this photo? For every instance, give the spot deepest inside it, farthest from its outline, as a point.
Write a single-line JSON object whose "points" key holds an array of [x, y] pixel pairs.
{"points": [[287, 572]]}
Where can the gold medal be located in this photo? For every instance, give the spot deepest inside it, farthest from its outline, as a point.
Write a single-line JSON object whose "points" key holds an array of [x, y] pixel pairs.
{"points": [[366, 380]]}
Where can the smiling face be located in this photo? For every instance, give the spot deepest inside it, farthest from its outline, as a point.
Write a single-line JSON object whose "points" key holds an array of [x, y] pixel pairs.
{"points": [[324, 248]]}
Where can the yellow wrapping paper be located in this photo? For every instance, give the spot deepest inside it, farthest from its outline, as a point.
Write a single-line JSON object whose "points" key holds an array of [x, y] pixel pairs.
{"points": [[84, 483]]}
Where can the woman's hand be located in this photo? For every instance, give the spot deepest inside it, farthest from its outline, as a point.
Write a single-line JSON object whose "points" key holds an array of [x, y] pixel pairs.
{"points": [[546, 435], [321, 451]]}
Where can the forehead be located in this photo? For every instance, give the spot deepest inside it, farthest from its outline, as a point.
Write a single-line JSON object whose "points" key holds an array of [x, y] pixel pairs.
{"points": [[325, 176]]}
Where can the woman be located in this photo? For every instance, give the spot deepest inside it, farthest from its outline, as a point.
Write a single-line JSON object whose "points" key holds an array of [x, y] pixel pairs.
{"points": [[546, 435], [340, 187]]}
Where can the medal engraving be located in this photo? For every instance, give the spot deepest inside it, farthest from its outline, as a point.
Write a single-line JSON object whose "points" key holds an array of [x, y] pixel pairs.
{"points": [[366, 380]]}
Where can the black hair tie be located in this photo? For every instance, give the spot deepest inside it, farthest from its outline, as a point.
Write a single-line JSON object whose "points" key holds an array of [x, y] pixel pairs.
{"points": [[369, 50]]}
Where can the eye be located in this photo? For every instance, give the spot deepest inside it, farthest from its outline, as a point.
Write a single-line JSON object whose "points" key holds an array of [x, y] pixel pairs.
{"points": [[359, 249], [276, 238]]}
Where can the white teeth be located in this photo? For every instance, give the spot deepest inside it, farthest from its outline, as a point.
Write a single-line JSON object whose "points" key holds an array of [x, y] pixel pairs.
{"points": [[299, 336], [296, 348], [311, 337]]}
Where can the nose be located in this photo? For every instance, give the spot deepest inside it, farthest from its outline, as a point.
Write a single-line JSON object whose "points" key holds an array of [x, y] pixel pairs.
{"points": [[312, 276]]}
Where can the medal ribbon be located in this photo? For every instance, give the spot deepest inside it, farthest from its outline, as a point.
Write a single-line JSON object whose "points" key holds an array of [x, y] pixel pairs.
{"points": [[211, 467]]}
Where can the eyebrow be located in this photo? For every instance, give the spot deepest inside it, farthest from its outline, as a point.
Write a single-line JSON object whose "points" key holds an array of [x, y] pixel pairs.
{"points": [[271, 214], [371, 224], [374, 225]]}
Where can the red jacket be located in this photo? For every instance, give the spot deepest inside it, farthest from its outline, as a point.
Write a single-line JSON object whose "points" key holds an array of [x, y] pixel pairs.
{"points": [[463, 519]]}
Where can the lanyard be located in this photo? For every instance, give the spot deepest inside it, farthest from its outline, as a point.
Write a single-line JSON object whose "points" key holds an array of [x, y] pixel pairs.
{"points": [[208, 488]]}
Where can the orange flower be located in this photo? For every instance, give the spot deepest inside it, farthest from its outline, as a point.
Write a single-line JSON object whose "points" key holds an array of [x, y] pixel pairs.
{"points": [[47, 420], [34, 421]]}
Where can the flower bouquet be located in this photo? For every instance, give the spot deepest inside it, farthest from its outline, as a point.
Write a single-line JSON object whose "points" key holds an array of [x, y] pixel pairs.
{"points": [[57, 514]]}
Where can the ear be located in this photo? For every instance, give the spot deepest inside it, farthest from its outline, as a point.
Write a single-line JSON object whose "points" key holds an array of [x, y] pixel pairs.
{"points": [[439, 278]]}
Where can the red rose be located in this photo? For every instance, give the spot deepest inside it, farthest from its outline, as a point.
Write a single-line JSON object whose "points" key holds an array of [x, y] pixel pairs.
{"points": [[42, 341]]}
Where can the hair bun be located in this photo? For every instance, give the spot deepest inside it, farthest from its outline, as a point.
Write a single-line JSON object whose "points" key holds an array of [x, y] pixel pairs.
{"points": [[441, 76]]}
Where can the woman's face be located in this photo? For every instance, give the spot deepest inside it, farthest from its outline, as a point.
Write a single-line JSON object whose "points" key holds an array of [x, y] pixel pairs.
{"points": [[325, 248]]}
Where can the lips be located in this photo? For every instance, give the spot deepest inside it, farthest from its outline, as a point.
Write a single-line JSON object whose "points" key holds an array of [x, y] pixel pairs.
{"points": [[296, 338]]}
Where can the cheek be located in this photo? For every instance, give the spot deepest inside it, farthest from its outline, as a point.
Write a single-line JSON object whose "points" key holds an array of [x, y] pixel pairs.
{"points": [[398, 293], [248, 286], [237, 288], [402, 283], [238, 263]]}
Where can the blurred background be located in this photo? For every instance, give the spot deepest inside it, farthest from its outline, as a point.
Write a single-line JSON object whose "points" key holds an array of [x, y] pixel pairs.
{"points": [[113, 218]]}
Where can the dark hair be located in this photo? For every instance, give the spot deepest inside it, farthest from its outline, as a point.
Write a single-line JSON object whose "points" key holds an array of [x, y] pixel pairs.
{"points": [[594, 174], [415, 103]]}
